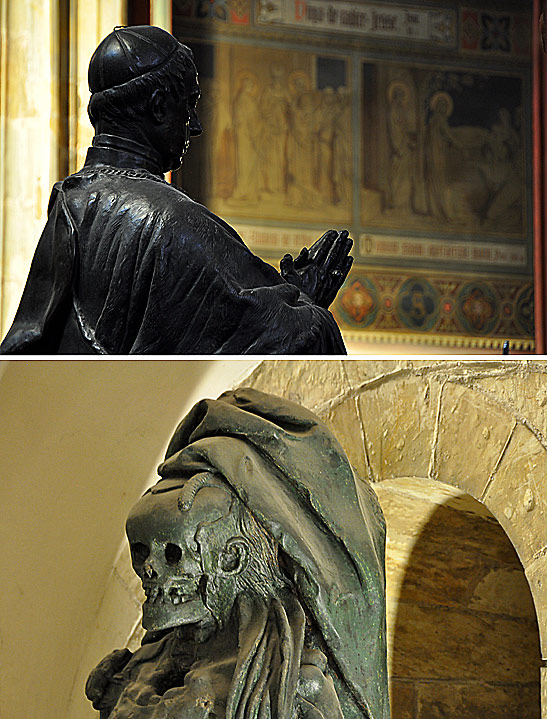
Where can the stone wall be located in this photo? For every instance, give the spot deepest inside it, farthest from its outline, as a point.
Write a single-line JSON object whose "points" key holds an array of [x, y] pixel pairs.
{"points": [[462, 630]]}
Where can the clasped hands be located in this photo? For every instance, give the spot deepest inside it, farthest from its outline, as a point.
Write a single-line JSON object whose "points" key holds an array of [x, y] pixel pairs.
{"points": [[321, 270]]}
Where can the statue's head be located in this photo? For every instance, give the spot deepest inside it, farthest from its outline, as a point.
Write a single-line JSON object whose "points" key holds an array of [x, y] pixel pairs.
{"points": [[144, 76], [195, 548]]}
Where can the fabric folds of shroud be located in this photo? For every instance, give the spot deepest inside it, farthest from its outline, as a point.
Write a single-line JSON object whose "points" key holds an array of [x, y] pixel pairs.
{"points": [[285, 465]]}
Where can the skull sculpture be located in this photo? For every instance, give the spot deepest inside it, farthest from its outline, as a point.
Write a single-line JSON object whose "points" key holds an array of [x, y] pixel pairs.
{"points": [[176, 555]]}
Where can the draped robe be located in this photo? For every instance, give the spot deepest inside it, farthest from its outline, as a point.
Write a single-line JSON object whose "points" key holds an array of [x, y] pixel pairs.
{"points": [[128, 264]]}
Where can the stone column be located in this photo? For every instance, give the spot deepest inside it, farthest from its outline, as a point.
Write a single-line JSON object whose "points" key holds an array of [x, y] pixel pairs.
{"points": [[161, 14], [90, 21], [28, 141]]}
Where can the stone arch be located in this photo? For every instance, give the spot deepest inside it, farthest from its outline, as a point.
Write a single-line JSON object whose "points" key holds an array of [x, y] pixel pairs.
{"points": [[474, 425], [450, 428], [462, 629]]}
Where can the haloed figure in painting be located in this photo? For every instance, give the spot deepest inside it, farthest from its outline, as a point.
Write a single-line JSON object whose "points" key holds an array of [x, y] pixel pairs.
{"points": [[128, 264]]}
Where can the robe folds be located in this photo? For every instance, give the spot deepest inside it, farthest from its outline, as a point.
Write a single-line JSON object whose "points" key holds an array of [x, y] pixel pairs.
{"points": [[128, 264]]}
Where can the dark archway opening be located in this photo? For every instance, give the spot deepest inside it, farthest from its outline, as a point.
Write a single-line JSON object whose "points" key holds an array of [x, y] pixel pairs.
{"points": [[464, 634]]}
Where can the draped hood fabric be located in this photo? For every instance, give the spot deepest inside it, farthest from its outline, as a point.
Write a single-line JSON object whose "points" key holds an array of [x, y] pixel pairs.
{"points": [[286, 466], [128, 264]]}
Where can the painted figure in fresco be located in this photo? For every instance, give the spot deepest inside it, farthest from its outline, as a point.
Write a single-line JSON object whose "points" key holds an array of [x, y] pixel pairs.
{"points": [[402, 140], [438, 141], [341, 141], [128, 264], [502, 168], [209, 116], [331, 143], [246, 121], [274, 110], [324, 160], [301, 145], [265, 592]]}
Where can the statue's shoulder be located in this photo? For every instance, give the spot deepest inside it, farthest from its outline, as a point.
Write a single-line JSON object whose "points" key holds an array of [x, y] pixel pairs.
{"points": [[97, 185], [149, 200]]}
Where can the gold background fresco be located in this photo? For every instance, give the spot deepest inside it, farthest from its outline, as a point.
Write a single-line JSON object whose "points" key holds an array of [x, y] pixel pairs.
{"points": [[420, 147], [276, 145]]}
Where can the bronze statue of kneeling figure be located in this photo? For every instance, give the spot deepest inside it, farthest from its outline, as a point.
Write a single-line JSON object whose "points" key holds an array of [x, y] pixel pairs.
{"points": [[129, 264]]}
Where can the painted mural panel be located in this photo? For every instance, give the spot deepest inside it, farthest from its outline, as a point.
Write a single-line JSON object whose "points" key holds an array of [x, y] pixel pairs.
{"points": [[407, 124], [277, 141], [443, 150]]}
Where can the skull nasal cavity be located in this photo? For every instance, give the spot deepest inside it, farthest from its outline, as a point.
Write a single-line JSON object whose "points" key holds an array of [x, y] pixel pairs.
{"points": [[139, 552], [172, 553]]}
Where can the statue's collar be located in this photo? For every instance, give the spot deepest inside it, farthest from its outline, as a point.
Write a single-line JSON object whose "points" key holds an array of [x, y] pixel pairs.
{"points": [[122, 152]]}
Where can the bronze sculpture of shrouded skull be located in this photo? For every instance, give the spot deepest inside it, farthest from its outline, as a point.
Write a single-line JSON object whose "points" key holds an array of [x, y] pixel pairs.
{"points": [[261, 556], [167, 559]]}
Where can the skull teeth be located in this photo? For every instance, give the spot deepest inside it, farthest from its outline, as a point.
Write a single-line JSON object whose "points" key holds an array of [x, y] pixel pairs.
{"points": [[175, 595], [155, 595]]}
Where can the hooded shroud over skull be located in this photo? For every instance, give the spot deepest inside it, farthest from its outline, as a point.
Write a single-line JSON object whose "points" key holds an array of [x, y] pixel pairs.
{"points": [[289, 470]]}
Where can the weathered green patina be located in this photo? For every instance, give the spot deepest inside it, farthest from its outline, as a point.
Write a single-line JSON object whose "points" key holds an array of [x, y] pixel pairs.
{"points": [[262, 558]]}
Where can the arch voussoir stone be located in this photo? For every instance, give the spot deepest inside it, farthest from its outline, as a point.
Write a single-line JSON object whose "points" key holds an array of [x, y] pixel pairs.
{"points": [[516, 494], [399, 419], [346, 423], [472, 435]]}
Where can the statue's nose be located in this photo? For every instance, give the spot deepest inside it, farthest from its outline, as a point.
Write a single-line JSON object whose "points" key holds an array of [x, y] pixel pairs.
{"points": [[195, 125]]}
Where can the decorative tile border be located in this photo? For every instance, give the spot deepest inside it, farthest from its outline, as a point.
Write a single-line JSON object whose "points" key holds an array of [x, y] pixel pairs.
{"points": [[453, 310]]}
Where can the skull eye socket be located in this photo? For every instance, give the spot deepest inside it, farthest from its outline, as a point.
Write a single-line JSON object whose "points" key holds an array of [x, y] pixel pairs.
{"points": [[139, 552], [172, 553]]}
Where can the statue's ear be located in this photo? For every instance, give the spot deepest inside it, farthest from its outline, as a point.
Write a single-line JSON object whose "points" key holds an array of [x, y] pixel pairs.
{"points": [[158, 105], [234, 558]]}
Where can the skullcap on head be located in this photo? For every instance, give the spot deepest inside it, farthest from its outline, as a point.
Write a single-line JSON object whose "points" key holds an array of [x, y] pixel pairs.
{"points": [[127, 53]]}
